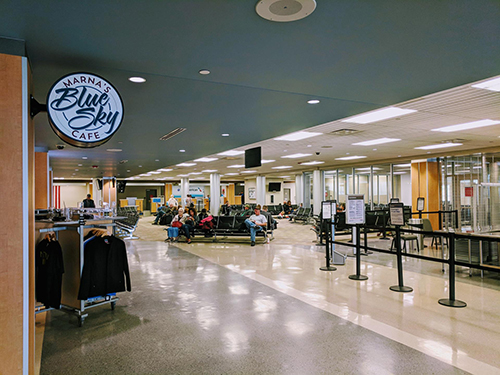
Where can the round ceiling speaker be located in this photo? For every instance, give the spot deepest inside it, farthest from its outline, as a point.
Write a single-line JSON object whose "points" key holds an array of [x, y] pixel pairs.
{"points": [[285, 10]]}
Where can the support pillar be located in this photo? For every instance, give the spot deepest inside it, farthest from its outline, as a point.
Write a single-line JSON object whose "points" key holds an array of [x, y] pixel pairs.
{"points": [[184, 190], [299, 190], [318, 190], [214, 193], [261, 190]]}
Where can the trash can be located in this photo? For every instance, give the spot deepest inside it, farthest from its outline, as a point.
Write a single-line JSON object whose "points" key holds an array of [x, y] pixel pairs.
{"points": [[417, 224]]}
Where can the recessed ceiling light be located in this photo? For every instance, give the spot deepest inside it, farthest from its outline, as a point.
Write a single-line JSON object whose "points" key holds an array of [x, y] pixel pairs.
{"points": [[137, 79], [312, 162], [231, 153], [236, 166], [140, 166], [248, 171], [182, 150], [114, 149], [84, 157], [80, 165], [367, 169], [297, 136], [351, 157], [204, 72], [58, 178], [157, 159], [182, 175], [195, 173], [441, 145], [399, 172], [186, 164], [154, 172], [309, 145], [374, 149], [164, 170], [467, 125], [206, 160], [378, 141], [144, 174], [402, 165], [293, 156], [264, 161], [209, 170], [284, 176], [283, 167], [379, 115], [225, 135], [128, 170], [231, 174], [76, 170], [313, 101], [492, 85]]}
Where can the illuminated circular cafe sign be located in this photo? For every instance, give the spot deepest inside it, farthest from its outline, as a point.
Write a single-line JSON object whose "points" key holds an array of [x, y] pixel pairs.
{"points": [[84, 110]]}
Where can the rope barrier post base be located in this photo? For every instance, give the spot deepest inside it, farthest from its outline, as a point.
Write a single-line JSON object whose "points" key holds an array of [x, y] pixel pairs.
{"points": [[358, 275], [452, 302], [327, 247]]}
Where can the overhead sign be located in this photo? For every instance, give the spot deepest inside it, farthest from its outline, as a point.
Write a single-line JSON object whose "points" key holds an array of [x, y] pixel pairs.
{"points": [[355, 209], [84, 110]]}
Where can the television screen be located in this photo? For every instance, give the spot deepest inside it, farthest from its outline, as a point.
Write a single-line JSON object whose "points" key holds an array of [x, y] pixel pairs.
{"points": [[121, 186], [99, 184], [253, 157], [274, 186]]}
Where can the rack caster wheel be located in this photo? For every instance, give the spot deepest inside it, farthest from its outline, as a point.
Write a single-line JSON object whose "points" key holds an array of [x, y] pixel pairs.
{"points": [[113, 304], [80, 321]]}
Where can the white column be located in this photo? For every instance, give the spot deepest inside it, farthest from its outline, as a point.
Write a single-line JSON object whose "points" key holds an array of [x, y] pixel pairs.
{"points": [[318, 190], [184, 190], [96, 193], [260, 190], [214, 193], [299, 195]]}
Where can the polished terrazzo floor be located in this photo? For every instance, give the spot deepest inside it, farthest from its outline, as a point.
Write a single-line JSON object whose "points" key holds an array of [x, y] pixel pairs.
{"points": [[230, 308]]}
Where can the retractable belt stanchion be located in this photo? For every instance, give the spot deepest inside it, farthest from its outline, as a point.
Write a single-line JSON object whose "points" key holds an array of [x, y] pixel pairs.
{"points": [[358, 275], [452, 302], [328, 243], [400, 287]]}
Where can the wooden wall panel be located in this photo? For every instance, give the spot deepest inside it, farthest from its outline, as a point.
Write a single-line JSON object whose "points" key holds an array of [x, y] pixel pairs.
{"points": [[433, 196], [12, 237], [230, 194], [42, 196], [168, 192]]}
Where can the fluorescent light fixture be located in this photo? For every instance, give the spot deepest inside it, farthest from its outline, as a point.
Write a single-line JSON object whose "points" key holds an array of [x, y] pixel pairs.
{"points": [[283, 167], [231, 174], [293, 156], [283, 176], [195, 173], [164, 170], [367, 169], [467, 125], [182, 150], [209, 170], [313, 101], [137, 79], [399, 172], [225, 134], [130, 178], [182, 175], [154, 172], [231, 153], [204, 72], [351, 157], [236, 166], [379, 115], [186, 164], [492, 85], [297, 136], [441, 145], [264, 161], [312, 162], [248, 171], [206, 160], [145, 174], [58, 178], [84, 157], [402, 165], [378, 141]]}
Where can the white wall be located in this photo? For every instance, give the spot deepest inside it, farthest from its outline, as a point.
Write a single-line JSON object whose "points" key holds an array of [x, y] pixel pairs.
{"points": [[278, 196], [406, 189], [72, 193], [291, 186], [250, 184]]}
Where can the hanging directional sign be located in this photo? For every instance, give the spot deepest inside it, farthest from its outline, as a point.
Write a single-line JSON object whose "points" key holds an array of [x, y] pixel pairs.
{"points": [[84, 109]]}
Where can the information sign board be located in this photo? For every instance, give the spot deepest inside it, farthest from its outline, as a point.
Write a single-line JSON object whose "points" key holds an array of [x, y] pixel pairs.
{"points": [[396, 211], [420, 204], [355, 209], [329, 209]]}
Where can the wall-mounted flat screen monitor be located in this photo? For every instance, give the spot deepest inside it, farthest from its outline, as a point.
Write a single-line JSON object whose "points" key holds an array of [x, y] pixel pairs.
{"points": [[274, 186], [253, 157]]}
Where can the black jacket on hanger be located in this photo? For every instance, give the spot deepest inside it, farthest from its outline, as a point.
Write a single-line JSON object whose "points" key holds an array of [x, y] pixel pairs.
{"points": [[105, 267], [49, 270]]}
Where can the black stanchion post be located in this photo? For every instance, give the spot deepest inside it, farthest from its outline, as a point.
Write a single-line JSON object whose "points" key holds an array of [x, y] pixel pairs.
{"points": [[400, 287], [384, 223], [328, 243], [365, 240], [440, 218], [358, 275], [451, 302]]}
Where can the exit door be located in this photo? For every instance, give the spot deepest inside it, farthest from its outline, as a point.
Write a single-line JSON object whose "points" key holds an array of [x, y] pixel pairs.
{"points": [[150, 193]]}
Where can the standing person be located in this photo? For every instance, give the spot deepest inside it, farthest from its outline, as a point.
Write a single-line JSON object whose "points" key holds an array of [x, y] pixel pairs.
{"points": [[172, 201], [89, 202], [189, 200], [189, 223], [255, 223]]}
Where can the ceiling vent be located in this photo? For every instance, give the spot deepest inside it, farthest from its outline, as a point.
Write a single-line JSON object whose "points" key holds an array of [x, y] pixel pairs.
{"points": [[345, 132], [285, 10], [172, 134], [123, 161]]}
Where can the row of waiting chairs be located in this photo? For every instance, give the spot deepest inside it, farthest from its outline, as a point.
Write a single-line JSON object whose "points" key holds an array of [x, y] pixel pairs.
{"points": [[127, 226]]}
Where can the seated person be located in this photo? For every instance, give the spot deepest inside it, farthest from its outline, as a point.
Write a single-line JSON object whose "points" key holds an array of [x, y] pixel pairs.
{"points": [[202, 215], [173, 231], [247, 211], [190, 224], [255, 223], [159, 213], [269, 217]]}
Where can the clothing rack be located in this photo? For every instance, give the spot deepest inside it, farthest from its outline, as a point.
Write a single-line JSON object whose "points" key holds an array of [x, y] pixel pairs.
{"points": [[71, 235]]}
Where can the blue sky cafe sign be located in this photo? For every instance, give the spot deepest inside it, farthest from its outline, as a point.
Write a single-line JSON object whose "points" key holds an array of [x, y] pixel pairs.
{"points": [[84, 110]]}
